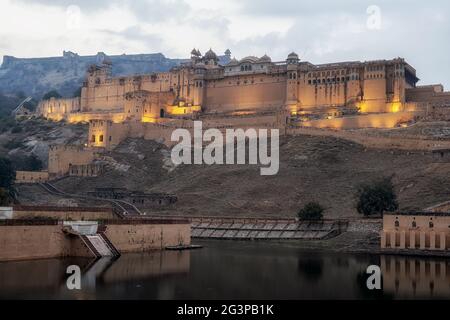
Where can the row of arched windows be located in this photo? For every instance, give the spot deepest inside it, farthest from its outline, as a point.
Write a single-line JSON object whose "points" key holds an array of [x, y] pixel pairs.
{"points": [[413, 224]]}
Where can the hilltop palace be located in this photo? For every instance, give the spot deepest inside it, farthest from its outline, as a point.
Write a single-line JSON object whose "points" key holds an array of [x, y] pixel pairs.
{"points": [[251, 92]]}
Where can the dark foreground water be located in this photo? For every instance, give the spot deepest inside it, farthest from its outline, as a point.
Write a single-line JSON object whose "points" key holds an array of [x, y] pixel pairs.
{"points": [[229, 270]]}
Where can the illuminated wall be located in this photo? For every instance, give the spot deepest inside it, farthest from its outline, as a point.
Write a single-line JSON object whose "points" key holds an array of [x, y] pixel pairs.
{"points": [[57, 109], [382, 120], [245, 92]]}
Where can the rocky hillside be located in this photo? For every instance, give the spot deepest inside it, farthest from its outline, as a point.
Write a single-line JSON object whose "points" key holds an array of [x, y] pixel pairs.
{"points": [[312, 168], [19, 140]]}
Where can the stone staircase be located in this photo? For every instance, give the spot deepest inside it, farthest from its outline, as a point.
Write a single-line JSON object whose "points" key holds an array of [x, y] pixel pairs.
{"points": [[100, 245]]}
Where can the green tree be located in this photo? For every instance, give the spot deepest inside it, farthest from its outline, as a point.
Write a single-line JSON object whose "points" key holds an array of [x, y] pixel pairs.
{"points": [[51, 94], [311, 211], [33, 163], [6, 173], [30, 105], [77, 93], [5, 199], [16, 129], [376, 197], [21, 95]]}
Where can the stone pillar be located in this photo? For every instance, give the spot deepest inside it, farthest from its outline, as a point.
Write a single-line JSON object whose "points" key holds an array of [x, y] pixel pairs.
{"points": [[422, 240], [392, 239], [443, 244], [432, 240], [412, 240], [402, 239]]}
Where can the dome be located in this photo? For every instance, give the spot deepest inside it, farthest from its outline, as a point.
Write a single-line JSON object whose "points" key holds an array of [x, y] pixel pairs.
{"points": [[210, 55], [265, 58], [293, 55], [195, 52], [233, 62], [251, 59]]}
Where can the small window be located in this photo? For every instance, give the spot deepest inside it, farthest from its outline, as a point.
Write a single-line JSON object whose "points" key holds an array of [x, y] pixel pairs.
{"points": [[93, 138], [397, 224], [414, 224], [101, 138]]}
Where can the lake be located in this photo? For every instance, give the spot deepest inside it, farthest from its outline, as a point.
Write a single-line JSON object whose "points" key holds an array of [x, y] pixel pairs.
{"points": [[229, 270]]}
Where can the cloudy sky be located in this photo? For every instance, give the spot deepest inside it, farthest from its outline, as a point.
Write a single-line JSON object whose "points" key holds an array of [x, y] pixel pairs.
{"points": [[319, 31]]}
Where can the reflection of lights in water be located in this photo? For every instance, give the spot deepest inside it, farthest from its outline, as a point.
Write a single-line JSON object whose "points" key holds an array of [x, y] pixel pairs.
{"points": [[415, 277]]}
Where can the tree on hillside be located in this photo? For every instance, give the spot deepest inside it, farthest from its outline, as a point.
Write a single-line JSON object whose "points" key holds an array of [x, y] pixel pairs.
{"points": [[51, 94], [5, 199], [6, 173], [376, 197], [30, 105], [77, 93], [311, 211], [21, 95]]}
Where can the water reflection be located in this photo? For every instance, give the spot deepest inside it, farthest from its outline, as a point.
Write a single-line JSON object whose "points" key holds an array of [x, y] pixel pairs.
{"points": [[229, 270], [411, 277]]}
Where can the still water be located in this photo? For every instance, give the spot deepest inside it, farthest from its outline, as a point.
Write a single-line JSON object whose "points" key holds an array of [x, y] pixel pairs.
{"points": [[229, 270]]}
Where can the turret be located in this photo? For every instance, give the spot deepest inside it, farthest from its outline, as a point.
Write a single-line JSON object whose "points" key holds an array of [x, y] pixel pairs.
{"points": [[292, 58], [210, 58], [292, 83]]}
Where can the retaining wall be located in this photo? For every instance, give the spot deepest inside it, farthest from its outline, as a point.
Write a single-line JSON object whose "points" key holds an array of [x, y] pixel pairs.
{"points": [[33, 239], [63, 213]]}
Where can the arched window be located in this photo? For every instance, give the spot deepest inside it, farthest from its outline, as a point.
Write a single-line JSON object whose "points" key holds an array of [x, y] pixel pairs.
{"points": [[397, 224], [414, 224], [431, 224]]}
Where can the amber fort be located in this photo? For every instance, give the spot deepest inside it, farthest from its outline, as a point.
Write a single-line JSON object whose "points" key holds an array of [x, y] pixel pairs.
{"points": [[252, 91]]}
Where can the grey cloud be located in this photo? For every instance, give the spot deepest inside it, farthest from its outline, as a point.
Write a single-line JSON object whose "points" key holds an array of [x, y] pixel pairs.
{"points": [[158, 10], [320, 38], [136, 33], [84, 4], [307, 7], [145, 10]]}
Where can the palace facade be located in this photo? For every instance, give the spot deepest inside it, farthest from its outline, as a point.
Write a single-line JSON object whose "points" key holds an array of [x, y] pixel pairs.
{"points": [[251, 87], [251, 84]]}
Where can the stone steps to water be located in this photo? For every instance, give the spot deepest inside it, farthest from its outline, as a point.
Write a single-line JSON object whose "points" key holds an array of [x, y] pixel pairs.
{"points": [[264, 230], [99, 245]]}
